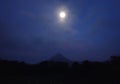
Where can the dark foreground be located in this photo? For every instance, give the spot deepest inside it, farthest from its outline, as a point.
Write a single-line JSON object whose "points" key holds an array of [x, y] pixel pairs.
{"points": [[61, 72]]}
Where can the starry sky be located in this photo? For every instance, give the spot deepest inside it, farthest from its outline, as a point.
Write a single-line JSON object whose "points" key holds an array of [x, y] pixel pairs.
{"points": [[30, 30]]}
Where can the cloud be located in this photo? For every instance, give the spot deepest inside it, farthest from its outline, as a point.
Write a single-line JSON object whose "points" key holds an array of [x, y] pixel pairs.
{"points": [[40, 17], [28, 14]]}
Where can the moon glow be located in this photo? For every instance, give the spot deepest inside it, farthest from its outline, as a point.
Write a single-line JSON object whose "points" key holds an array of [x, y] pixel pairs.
{"points": [[62, 14]]}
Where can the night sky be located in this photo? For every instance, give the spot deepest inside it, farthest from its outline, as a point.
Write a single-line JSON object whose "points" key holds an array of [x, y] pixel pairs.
{"points": [[31, 30]]}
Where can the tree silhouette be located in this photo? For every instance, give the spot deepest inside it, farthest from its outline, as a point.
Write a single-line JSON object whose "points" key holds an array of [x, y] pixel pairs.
{"points": [[115, 59]]}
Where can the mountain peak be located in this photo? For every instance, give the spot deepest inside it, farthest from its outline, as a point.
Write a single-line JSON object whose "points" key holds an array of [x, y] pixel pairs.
{"points": [[59, 58]]}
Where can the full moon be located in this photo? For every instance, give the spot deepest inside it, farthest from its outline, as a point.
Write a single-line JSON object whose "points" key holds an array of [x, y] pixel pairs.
{"points": [[62, 14]]}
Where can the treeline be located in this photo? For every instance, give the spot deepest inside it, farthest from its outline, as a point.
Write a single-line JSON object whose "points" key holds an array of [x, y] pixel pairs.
{"points": [[49, 72]]}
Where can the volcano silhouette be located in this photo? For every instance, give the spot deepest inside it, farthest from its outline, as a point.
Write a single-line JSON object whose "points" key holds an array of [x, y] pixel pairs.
{"points": [[59, 58]]}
